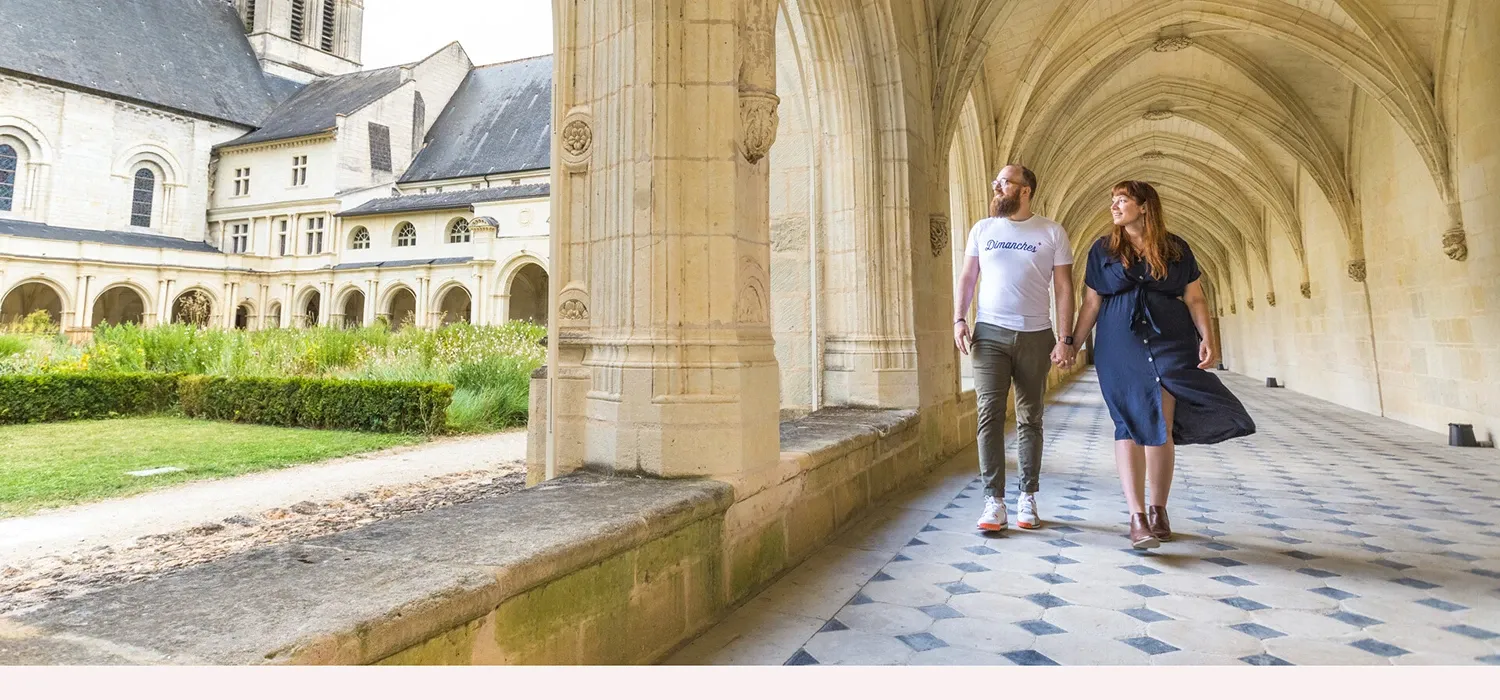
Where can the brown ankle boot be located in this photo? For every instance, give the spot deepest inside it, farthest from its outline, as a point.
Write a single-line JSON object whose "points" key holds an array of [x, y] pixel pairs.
{"points": [[1140, 533], [1156, 519]]}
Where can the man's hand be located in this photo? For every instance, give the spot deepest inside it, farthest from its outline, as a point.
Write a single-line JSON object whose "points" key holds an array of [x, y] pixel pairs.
{"points": [[1205, 355], [961, 336], [1063, 355]]}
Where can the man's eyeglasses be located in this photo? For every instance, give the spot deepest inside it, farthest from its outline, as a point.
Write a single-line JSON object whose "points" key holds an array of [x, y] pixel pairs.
{"points": [[998, 183]]}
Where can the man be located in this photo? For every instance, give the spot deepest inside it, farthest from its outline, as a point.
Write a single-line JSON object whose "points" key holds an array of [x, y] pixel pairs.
{"points": [[1016, 255]]}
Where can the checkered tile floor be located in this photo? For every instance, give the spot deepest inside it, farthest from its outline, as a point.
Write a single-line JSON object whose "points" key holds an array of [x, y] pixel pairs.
{"points": [[1330, 538]]}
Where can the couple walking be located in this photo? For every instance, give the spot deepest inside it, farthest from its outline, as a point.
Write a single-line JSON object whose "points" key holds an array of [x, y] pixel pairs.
{"points": [[1153, 347]]}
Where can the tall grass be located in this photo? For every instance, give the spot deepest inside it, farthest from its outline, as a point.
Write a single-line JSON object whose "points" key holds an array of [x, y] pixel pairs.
{"points": [[489, 366]]}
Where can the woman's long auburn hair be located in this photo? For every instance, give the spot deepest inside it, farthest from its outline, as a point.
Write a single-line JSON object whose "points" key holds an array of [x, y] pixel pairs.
{"points": [[1159, 249]]}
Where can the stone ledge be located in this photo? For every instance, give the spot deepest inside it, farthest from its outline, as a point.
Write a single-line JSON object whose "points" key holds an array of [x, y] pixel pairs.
{"points": [[364, 595]]}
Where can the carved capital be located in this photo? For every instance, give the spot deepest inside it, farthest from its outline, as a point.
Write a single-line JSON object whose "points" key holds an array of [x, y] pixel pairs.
{"points": [[1456, 244], [1357, 270], [1250, 303], [1307, 290], [758, 122], [1271, 298], [939, 234], [1232, 309]]}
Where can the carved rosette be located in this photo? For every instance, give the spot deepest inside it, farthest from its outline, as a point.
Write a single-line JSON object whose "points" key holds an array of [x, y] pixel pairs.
{"points": [[939, 234], [1307, 290], [1271, 298], [1156, 115], [577, 140], [573, 310], [1357, 270], [1153, 155], [573, 305], [1456, 244], [758, 122]]}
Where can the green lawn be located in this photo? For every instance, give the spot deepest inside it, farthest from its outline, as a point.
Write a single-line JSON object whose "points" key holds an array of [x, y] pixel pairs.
{"points": [[56, 464]]}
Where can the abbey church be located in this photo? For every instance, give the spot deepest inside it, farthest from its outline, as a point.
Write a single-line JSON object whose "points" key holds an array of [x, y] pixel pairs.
{"points": [[231, 163]]}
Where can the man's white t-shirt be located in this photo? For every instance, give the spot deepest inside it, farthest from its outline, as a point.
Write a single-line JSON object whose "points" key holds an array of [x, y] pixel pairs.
{"points": [[1015, 270]]}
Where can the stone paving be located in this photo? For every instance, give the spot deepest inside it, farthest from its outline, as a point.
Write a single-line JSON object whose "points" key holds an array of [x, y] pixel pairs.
{"points": [[1330, 538]]}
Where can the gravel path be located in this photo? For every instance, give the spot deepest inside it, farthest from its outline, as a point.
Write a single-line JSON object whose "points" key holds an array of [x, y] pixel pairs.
{"points": [[68, 551]]}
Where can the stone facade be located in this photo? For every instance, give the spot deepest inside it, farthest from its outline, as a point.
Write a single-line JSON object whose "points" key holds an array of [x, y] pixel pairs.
{"points": [[251, 217]]}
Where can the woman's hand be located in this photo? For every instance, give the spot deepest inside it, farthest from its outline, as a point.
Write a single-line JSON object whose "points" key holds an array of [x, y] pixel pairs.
{"points": [[961, 336], [1205, 355]]}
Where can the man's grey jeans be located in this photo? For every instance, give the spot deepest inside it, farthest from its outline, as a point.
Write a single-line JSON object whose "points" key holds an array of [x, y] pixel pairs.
{"points": [[1002, 357]]}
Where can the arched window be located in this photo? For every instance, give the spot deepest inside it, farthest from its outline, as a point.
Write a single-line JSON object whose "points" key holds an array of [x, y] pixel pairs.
{"points": [[142, 196], [458, 232], [329, 25], [9, 163], [406, 235], [249, 15], [299, 19], [361, 239], [418, 123]]}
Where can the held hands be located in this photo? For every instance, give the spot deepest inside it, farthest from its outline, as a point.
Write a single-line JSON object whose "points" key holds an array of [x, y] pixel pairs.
{"points": [[1206, 355], [961, 336], [1064, 355]]}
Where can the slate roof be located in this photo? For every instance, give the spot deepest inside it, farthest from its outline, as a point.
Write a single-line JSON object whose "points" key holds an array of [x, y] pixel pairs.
{"points": [[31, 229], [313, 109], [458, 199], [499, 121], [402, 263], [189, 56]]}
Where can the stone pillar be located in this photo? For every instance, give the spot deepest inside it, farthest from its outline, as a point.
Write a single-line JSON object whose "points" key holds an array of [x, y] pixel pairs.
{"points": [[372, 288], [325, 298], [660, 247]]}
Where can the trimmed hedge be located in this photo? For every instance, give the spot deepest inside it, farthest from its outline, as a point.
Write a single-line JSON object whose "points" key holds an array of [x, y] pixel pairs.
{"points": [[40, 398], [294, 402], [327, 404]]}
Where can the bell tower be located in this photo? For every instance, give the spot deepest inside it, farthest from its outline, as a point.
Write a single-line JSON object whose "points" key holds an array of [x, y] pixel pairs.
{"points": [[305, 39]]}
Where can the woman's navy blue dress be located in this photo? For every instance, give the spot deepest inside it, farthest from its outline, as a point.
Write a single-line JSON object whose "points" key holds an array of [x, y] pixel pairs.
{"points": [[1145, 341]]}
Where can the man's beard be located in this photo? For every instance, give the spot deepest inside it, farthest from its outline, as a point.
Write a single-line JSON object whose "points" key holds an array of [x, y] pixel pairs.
{"points": [[1005, 206]]}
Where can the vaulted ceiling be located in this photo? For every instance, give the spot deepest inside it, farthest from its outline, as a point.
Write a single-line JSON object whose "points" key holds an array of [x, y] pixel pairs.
{"points": [[1226, 105]]}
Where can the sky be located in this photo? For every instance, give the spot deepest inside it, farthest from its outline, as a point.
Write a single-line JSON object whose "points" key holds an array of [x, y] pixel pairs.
{"points": [[402, 31]]}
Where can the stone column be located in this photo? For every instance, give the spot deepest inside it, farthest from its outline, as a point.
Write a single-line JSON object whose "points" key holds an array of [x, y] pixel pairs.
{"points": [[325, 298], [662, 354], [372, 288]]}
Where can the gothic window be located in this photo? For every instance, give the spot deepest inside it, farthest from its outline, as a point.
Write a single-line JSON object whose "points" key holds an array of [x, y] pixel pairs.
{"points": [[361, 239], [458, 232], [380, 148], [9, 162], [142, 196], [249, 15], [299, 20], [418, 123], [328, 25], [406, 235]]}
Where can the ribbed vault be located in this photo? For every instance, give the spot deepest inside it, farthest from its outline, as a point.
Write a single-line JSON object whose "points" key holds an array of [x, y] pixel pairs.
{"points": [[1228, 106]]}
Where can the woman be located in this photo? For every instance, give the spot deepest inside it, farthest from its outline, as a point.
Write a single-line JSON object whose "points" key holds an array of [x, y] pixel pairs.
{"points": [[1152, 351]]}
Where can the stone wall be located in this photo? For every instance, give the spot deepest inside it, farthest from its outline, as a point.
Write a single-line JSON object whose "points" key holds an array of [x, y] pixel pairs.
{"points": [[1419, 339]]}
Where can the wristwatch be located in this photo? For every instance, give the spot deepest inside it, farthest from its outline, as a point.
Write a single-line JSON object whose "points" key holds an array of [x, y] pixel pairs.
{"points": [[1067, 340], [961, 320]]}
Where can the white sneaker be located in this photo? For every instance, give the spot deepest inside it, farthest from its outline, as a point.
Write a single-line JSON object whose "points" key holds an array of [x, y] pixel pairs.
{"points": [[1026, 516], [995, 517]]}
